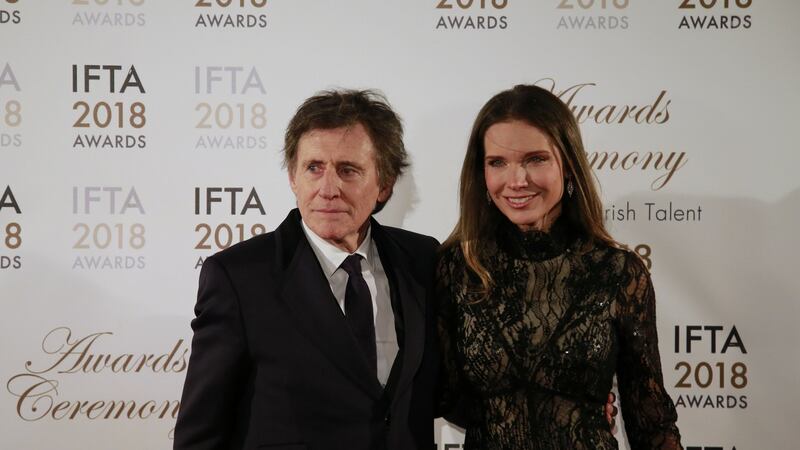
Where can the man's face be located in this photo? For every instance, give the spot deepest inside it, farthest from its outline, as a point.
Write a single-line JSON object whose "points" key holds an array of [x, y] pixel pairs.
{"points": [[335, 181]]}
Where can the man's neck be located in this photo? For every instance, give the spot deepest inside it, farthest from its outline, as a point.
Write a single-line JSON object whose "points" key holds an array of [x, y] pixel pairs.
{"points": [[348, 244]]}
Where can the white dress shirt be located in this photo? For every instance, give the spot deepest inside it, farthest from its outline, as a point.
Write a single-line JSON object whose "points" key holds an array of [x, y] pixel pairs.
{"points": [[330, 258]]}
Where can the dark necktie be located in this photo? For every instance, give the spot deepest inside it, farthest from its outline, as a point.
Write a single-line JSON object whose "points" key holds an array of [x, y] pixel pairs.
{"points": [[358, 310]]}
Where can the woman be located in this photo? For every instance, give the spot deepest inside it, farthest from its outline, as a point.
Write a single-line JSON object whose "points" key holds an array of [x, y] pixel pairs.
{"points": [[540, 306]]}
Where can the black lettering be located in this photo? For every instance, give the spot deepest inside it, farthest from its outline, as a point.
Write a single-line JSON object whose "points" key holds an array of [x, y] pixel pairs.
{"points": [[734, 340], [8, 200]]}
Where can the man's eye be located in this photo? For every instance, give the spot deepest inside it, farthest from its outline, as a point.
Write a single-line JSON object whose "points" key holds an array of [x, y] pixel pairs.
{"points": [[312, 168]]}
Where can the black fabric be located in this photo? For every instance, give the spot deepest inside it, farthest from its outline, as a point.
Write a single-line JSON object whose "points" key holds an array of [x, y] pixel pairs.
{"points": [[529, 366], [358, 310], [274, 362]]}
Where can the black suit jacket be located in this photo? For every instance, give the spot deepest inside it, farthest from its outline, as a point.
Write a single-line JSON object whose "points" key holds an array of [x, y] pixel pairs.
{"points": [[275, 366]]}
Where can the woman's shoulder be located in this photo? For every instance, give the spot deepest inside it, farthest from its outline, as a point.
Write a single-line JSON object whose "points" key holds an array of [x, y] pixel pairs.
{"points": [[616, 259], [453, 270], [629, 260], [627, 268], [449, 253]]}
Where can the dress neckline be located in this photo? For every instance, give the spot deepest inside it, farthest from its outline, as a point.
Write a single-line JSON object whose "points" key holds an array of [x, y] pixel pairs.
{"points": [[536, 245]]}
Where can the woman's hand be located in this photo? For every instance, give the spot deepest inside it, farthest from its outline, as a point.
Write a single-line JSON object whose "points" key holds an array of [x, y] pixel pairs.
{"points": [[611, 412]]}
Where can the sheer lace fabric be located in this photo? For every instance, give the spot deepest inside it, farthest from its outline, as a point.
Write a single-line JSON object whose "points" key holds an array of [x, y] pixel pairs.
{"points": [[531, 365]]}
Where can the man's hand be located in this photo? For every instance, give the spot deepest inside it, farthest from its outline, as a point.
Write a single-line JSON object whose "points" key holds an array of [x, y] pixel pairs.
{"points": [[611, 412]]}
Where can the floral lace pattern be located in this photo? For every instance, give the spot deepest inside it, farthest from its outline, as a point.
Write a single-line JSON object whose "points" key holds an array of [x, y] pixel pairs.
{"points": [[530, 366]]}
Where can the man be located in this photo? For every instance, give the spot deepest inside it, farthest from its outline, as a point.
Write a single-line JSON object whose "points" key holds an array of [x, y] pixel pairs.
{"points": [[320, 335]]}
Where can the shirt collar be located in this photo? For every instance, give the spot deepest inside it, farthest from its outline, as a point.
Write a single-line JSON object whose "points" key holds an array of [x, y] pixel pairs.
{"points": [[331, 257]]}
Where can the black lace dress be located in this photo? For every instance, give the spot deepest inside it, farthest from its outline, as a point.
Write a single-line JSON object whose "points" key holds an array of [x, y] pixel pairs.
{"points": [[530, 366]]}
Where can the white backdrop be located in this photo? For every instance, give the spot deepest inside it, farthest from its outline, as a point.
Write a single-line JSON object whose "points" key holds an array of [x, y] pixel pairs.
{"points": [[104, 192]]}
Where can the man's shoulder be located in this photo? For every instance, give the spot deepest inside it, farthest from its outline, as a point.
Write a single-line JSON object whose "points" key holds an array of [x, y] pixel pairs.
{"points": [[257, 248], [411, 239], [265, 247]]}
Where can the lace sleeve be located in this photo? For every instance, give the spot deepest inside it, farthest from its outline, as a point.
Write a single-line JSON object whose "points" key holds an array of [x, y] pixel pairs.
{"points": [[452, 398], [648, 411]]}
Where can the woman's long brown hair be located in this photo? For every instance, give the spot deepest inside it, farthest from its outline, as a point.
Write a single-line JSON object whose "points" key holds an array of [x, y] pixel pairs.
{"points": [[478, 219]]}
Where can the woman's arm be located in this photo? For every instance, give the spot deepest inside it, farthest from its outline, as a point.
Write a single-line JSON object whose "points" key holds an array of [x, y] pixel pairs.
{"points": [[452, 398], [647, 409]]}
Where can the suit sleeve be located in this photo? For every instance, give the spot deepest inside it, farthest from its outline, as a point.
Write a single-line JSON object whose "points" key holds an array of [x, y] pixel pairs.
{"points": [[648, 411], [217, 366]]}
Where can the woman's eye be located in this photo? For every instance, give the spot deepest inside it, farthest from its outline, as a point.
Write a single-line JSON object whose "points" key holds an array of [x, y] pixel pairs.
{"points": [[495, 163]]}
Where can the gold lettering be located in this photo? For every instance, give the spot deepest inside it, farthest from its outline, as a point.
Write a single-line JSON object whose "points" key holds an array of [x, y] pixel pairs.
{"points": [[77, 348], [131, 407], [151, 404], [75, 356], [594, 156], [176, 406], [99, 405], [671, 168], [37, 396], [656, 112], [78, 408], [30, 398], [54, 413], [633, 157], [665, 163]]}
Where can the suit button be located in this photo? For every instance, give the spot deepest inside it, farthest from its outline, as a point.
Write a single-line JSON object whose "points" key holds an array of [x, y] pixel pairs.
{"points": [[388, 419]]}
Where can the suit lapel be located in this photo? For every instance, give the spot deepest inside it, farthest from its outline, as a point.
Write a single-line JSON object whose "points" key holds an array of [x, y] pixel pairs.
{"points": [[410, 296], [308, 297]]}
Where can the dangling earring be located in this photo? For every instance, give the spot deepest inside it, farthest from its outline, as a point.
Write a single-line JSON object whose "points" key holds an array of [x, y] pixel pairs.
{"points": [[570, 188], [488, 197]]}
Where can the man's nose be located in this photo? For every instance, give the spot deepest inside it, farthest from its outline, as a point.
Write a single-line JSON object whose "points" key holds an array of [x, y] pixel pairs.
{"points": [[329, 185]]}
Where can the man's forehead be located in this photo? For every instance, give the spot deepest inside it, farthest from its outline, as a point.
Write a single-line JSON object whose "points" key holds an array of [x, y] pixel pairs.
{"points": [[350, 141], [345, 131]]}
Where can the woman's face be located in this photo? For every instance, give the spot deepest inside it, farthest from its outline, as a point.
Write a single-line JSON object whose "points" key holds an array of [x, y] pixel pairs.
{"points": [[524, 174]]}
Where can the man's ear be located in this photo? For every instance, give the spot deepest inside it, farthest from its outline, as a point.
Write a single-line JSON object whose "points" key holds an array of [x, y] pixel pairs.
{"points": [[386, 192], [292, 183]]}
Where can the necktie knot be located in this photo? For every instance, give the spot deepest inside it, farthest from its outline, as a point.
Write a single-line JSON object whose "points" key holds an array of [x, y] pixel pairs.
{"points": [[352, 264]]}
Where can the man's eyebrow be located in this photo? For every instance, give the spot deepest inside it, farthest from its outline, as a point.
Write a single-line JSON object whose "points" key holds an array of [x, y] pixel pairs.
{"points": [[310, 160], [349, 163]]}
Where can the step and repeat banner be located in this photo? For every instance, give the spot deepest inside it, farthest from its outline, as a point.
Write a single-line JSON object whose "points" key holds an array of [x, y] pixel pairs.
{"points": [[138, 137]]}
